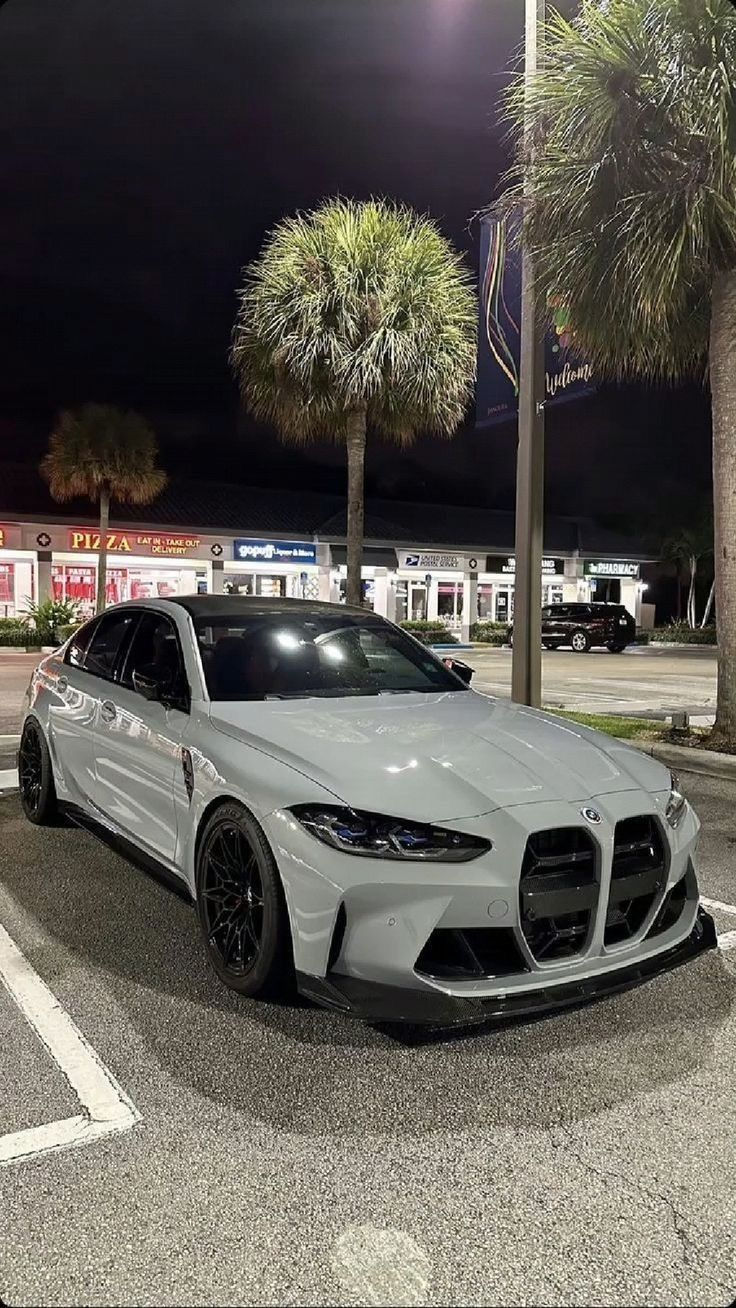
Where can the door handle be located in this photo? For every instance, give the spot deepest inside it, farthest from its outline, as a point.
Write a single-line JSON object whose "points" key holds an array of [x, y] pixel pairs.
{"points": [[107, 711], [61, 684]]}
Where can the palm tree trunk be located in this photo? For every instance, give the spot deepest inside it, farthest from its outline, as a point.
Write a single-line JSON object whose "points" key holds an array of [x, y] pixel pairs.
{"points": [[356, 505], [691, 592], [709, 605], [102, 560], [723, 401], [678, 576]]}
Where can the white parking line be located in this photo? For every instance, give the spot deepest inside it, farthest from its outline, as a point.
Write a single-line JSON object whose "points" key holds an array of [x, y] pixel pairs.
{"points": [[716, 903], [726, 939], [106, 1107], [8, 779]]}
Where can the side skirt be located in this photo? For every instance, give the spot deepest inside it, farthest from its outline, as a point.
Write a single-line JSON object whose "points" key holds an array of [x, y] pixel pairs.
{"points": [[129, 851]]}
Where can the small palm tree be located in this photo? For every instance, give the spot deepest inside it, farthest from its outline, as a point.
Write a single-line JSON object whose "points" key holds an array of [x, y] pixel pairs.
{"points": [[356, 318], [104, 454], [629, 190], [689, 545]]}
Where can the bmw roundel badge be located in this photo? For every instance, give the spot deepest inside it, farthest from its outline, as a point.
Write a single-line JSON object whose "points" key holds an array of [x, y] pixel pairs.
{"points": [[591, 815]]}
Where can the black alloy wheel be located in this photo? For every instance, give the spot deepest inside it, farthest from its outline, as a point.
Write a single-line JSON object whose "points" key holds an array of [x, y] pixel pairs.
{"points": [[240, 903], [35, 776]]}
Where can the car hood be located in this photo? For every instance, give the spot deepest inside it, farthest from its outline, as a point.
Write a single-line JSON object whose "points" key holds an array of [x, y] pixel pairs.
{"points": [[438, 757]]}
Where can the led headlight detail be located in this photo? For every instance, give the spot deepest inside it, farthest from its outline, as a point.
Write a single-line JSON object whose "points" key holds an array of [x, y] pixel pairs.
{"points": [[373, 835], [676, 802]]}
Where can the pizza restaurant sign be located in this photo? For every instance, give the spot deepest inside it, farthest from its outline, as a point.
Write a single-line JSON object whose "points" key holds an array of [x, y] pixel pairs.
{"points": [[161, 544]]}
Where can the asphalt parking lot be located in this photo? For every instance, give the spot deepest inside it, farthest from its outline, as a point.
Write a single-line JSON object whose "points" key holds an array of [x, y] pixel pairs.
{"points": [[642, 679], [285, 1155]]}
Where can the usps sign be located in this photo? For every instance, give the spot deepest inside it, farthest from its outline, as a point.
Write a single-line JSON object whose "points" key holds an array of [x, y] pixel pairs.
{"points": [[275, 551]]}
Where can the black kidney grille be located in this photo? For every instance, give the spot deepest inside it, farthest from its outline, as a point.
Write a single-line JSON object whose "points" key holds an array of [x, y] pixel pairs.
{"points": [[558, 892], [674, 902], [638, 873]]}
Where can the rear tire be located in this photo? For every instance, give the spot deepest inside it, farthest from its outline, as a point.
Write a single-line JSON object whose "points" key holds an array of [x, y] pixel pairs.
{"points": [[550, 644], [36, 777], [241, 905], [615, 649], [580, 641]]}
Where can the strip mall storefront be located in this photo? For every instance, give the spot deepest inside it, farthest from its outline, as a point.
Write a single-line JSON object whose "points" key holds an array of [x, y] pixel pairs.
{"points": [[38, 560], [454, 587], [277, 568], [459, 589], [18, 577]]}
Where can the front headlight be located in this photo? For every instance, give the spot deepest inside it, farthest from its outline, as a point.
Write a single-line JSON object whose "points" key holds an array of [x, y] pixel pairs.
{"points": [[676, 802], [373, 835]]}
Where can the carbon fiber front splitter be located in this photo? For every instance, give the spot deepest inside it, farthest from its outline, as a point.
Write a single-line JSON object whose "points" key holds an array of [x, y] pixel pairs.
{"points": [[381, 1003]]}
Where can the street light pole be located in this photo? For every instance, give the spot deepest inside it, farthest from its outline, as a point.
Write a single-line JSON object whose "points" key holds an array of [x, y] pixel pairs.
{"points": [[526, 665]]}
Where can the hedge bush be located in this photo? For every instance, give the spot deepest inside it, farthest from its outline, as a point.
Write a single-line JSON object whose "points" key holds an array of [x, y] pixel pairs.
{"points": [[430, 633], [15, 632], [490, 633], [68, 629], [678, 633]]}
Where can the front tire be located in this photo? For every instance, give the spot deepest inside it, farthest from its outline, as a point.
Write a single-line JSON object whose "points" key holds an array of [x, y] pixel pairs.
{"points": [[241, 906], [580, 641], [36, 777]]}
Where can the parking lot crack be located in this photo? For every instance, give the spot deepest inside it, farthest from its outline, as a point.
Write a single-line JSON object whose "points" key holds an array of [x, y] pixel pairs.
{"points": [[679, 1221]]}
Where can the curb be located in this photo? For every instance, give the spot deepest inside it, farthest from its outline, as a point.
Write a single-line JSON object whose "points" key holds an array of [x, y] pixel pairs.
{"points": [[704, 762]]}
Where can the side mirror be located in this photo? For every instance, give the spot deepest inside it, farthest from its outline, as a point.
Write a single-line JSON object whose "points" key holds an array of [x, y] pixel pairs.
{"points": [[461, 670]]}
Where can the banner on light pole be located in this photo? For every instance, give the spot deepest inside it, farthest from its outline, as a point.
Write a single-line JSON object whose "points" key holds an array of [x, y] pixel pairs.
{"points": [[568, 376]]}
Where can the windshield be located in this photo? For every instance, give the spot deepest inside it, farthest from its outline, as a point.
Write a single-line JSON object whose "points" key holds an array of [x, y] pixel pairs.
{"points": [[283, 656]]}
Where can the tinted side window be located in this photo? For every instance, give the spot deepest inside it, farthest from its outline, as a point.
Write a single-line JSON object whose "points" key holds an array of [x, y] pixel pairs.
{"points": [[154, 650], [107, 641], [77, 647]]}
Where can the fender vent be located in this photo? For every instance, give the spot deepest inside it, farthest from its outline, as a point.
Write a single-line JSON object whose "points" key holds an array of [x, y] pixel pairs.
{"points": [[338, 935]]}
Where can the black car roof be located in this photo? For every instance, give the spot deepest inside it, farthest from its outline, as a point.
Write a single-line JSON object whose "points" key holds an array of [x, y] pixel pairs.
{"points": [[228, 606]]}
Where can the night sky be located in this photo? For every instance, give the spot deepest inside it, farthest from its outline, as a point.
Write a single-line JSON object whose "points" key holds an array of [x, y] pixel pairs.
{"points": [[146, 146]]}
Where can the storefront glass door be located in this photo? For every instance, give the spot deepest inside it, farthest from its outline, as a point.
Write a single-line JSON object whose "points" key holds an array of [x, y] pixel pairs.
{"points": [[418, 601], [7, 590], [504, 604], [450, 603]]}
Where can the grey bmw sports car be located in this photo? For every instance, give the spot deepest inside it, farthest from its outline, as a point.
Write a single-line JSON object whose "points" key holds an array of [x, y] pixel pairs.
{"points": [[345, 811]]}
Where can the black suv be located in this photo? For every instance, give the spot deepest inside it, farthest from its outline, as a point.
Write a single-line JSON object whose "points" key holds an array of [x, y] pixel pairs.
{"points": [[585, 625]]}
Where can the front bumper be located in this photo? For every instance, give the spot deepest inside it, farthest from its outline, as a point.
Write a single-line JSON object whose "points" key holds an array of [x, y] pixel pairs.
{"points": [[376, 1002]]}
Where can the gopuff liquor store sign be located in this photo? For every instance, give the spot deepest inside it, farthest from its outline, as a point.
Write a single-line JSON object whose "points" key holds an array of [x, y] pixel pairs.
{"points": [[275, 551], [131, 542]]}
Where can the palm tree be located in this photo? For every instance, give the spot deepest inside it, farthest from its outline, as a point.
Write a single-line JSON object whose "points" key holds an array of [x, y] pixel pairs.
{"points": [[102, 453], [689, 546], [630, 211], [356, 317]]}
